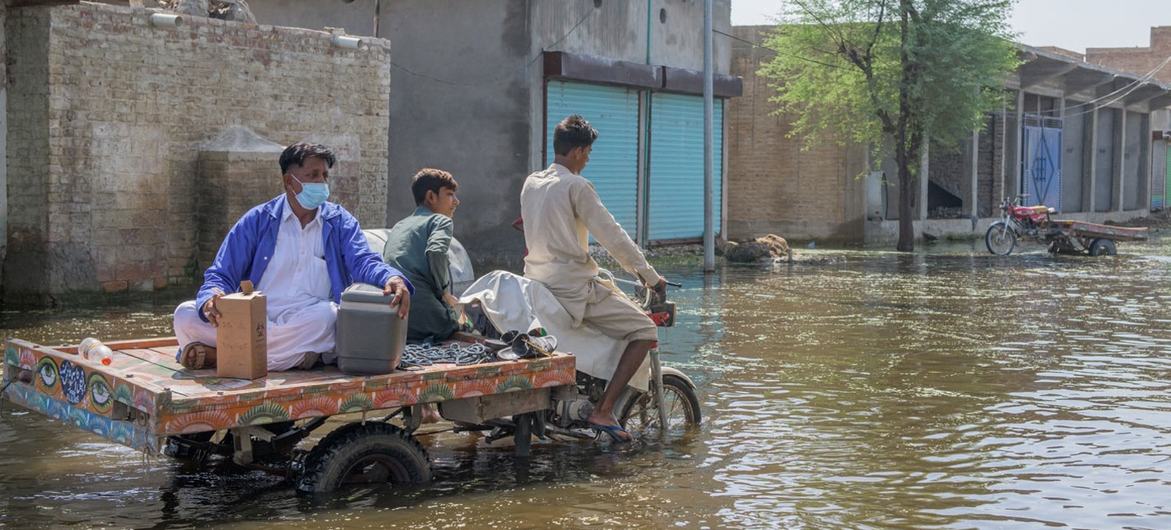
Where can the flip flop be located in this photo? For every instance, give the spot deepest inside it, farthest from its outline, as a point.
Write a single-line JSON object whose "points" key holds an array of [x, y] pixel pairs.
{"points": [[194, 356], [612, 431]]}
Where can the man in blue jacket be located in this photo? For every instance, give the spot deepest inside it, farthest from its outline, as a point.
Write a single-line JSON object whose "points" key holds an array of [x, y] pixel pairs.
{"points": [[302, 252]]}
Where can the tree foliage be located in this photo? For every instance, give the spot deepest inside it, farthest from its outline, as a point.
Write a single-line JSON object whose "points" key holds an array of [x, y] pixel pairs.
{"points": [[886, 73]]}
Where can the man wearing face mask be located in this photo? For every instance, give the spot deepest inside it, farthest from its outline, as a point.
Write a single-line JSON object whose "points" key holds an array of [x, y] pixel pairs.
{"points": [[302, 252]]}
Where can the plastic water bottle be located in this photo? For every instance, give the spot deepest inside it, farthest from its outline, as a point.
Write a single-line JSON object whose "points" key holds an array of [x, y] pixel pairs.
{"points": [[93, 349]]}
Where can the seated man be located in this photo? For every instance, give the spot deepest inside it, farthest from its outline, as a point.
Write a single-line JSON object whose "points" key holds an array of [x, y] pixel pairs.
{"points": [[417, 245], [302, 252], [560, 210]]}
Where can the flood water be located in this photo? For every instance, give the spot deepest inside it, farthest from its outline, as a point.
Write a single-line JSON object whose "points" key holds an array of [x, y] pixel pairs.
{"points": [[948, 388]]}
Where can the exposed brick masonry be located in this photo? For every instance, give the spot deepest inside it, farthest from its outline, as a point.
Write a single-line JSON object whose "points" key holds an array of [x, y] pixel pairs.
{"points": [[107, 115], [773, 184]]}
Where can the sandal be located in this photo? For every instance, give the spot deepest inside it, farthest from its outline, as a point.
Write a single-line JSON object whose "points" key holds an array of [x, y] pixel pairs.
{"points": [[612, 431], [197, 356]]}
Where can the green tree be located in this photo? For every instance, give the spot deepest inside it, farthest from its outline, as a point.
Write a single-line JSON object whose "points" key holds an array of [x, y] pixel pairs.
{"points": [[891, 74]]}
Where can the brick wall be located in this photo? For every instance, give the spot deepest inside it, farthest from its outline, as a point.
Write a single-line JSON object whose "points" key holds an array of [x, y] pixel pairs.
{"points": [[774, 185], [948, 168], [113, 113], [1140, 59]]}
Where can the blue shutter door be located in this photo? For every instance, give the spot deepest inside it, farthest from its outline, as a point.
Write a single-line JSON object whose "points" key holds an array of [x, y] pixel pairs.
{"points": [[613, 166], [676, 169], [1042, 171]]}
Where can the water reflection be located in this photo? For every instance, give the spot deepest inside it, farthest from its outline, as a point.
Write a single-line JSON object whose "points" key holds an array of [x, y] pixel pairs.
{"points": [[948, 388]]}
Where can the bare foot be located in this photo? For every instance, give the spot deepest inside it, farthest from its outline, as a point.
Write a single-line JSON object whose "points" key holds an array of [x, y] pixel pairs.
{"points": [[431, 413], [197, 356]]}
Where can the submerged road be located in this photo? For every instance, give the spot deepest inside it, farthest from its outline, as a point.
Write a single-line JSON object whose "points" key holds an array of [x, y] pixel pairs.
{"points": [[948, 388]]}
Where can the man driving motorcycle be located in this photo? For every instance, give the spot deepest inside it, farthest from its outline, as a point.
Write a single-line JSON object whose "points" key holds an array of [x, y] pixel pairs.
{"points": [[561, 210]]}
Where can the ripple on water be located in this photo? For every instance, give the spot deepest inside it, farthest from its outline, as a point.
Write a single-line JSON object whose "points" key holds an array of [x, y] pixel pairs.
{"points": [[949, 389]]}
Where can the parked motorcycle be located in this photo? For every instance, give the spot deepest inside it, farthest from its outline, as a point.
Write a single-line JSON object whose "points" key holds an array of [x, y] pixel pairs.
{"points": [[1060, 236], [1017, 221]]}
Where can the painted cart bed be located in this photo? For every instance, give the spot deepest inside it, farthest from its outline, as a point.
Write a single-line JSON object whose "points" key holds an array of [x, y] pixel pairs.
{"points": [[145, 395], [1086, 230]]}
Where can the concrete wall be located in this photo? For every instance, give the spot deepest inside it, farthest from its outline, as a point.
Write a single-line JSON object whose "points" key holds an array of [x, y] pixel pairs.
{"points": [[1135, 166], [1073, 157], [3, 136], [107, 195], [469, 89], [618, 30], [28, 168], [774, 186], [462, 104], [355, 16], [1108, 123]]}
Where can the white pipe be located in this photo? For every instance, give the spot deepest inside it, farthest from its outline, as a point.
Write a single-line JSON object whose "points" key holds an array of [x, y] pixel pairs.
{"points": [[165, 20], [345, 41]]}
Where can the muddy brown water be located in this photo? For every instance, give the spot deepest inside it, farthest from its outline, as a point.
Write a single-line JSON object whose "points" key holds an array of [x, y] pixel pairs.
{"points": [[948, 388]]}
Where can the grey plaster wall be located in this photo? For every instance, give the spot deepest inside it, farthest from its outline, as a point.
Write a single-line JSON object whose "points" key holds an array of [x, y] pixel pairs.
{"points": [[460, 102], [1159, 167], [1135, 167], [1104, 166], [3, 139], [468, 90], [356, 16], [1072, 161], [27, 31], [618, 29]]}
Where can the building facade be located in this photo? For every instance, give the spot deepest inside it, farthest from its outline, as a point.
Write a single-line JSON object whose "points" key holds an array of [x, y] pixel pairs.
{"points": [[133, 146], [478, 87], [1072, 135], [1152, 59]]}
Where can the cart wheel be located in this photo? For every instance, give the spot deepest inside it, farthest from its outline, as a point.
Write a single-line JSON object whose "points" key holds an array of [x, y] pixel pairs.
{"points": [[641, 413], [1103, 247], [1000, 239], [371, 453]]}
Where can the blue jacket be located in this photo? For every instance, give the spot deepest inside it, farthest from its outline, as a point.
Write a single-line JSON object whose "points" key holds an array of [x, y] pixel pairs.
{"points": [[249, 245]]}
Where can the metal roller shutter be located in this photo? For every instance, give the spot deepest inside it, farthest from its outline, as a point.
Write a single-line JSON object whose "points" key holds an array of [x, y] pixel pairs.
{"points": [[613, 166], [676, 168]]}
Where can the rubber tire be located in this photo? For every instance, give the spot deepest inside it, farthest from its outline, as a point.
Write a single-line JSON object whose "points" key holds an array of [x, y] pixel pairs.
{"points": [[988, 238], [1103, 247], [325, 467], [691, 400]]}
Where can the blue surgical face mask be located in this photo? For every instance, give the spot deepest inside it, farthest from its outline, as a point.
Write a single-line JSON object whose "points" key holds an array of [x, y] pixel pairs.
{"points": [[313, 194]]}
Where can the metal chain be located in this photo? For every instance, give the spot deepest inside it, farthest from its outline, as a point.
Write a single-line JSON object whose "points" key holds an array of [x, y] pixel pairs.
{"points": [[418, 355]]}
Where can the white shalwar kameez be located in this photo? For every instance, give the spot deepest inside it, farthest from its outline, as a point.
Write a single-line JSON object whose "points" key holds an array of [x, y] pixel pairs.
{"points": [[301, 316]]}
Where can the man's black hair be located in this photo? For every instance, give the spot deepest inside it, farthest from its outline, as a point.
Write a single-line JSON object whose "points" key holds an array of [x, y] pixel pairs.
{"points": [[431, 179], [300, 151], [572, 132]]}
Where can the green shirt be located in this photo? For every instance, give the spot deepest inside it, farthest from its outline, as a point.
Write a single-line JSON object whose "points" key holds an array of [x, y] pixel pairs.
{"points": [[417, 246]]}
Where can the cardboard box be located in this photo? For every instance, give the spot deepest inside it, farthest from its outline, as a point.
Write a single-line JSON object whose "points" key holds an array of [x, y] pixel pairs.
{"points": [[242, 334]]}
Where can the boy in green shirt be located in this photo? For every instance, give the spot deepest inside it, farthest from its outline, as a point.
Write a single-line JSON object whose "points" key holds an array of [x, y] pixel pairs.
{"points": [[417, 246]]}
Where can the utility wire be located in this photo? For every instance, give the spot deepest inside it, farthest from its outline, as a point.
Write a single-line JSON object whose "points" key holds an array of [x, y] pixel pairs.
{"points": [[1137, 84]]}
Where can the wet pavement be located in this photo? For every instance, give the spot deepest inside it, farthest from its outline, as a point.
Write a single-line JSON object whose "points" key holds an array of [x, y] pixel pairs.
{"points": [[948, 388]]}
